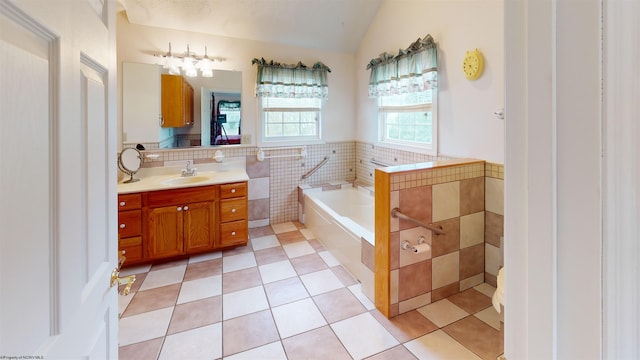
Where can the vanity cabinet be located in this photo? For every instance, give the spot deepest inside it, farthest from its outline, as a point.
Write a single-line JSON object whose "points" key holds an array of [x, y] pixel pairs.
{"points": [[130, 227], [177, 101], [180, 221], [234, 229], [164, 224]]}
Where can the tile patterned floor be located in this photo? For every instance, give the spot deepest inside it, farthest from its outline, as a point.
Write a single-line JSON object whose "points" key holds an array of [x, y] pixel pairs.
{"points": [[285, 297]]}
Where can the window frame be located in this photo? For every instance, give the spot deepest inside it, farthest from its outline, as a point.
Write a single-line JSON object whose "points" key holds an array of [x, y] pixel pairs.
{"points": [[423, 148], [265, 141]]}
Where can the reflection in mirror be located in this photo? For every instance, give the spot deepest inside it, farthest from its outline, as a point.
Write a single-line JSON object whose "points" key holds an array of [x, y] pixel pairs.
{"points": [[129, 162], [216, 99], [225, 120]]}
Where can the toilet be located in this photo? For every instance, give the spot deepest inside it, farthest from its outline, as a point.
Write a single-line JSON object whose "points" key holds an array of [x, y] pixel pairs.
{"points": [[498, 295]]}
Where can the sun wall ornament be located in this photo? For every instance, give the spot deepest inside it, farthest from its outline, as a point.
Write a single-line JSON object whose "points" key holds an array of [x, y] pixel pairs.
{"points": [[473, 64]]}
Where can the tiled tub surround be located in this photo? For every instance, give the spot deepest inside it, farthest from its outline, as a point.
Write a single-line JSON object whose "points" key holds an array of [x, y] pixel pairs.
{"points": [[365, 152], [450, 194], [343, 219]]}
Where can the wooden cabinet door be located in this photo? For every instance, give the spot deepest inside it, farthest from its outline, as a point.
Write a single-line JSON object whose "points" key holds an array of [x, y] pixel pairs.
{"points": [[199, 220], [177, 101], [187, 94], [165, 237]]}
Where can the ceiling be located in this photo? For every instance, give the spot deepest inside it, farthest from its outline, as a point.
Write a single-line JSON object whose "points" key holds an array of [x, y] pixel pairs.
{"points": [[336, 25]]}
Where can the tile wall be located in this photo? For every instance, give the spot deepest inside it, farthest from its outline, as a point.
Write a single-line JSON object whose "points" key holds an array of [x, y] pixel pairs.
{"points": [[273, 199], [494, 221], [366, 152], [273, 185], [453, 198]]}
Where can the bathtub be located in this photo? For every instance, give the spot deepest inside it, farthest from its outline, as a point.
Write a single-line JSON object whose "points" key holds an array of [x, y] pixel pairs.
{"points": [[342, 219]]}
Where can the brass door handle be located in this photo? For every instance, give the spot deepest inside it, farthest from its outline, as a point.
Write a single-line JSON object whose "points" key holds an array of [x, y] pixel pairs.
{"points": [[115, 279], [127, 280]]}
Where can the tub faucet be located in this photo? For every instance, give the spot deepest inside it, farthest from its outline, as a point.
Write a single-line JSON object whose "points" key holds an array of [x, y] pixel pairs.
{"points": [[189, 171]]}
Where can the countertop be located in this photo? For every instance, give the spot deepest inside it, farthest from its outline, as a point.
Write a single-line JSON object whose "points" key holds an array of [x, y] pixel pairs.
{"points": [[153, 179]]}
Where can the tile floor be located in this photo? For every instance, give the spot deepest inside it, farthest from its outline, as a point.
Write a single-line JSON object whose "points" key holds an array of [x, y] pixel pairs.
{"points": [[285, 297]]}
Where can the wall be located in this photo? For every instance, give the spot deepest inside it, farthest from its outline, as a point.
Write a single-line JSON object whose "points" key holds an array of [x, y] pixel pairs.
{"points": [[137, 43], [459, 196], [468, 127]]}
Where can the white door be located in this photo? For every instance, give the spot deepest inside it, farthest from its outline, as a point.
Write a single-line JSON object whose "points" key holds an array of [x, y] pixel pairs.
{"points": [[58, 238]]}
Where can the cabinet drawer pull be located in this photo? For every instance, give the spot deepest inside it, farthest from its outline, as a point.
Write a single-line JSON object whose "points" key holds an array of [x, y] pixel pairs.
{"points": [[233, 191], [186, 208], [122, 203], [233, 233], [122, 226], [179, 208], [233, 210]]}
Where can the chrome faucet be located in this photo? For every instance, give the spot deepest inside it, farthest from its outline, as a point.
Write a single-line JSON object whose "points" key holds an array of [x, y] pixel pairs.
{"points": [[189, 171]]}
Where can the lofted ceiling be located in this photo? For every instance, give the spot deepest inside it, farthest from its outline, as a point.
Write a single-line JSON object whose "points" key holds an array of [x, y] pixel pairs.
{"points": [[336, 25]]}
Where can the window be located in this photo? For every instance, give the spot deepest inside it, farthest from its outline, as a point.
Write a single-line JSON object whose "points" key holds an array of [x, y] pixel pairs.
{"points": [[409, 120], [291, 99], [291, 119], [406, 87]]}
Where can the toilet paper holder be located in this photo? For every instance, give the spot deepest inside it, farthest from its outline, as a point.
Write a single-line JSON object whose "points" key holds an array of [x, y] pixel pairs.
{"points": [[406, 244]]}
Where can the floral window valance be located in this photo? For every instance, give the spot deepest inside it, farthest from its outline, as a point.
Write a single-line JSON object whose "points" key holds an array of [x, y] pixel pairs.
{"points": [[414, 69], [291, 81], [225, 105]]}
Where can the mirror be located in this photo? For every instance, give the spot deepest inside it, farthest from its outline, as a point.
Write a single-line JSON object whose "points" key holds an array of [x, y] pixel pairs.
{"points": [[129, 162], [217, 109]]}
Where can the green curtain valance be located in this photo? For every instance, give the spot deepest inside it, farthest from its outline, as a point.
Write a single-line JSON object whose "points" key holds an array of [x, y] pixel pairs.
{"points": [[229, 105], [413, 69], [291, 81]]}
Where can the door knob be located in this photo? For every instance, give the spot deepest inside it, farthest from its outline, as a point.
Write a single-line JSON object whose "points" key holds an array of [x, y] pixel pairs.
{"points": [[127, 280], [115, 279]]}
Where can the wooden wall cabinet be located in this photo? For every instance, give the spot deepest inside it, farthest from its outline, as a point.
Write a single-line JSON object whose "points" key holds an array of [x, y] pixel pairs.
{"points": [[163, 224], [177, 101]]}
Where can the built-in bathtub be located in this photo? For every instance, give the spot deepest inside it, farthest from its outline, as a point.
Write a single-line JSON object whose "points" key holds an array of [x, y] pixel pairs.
{"points": [[342, 220]]}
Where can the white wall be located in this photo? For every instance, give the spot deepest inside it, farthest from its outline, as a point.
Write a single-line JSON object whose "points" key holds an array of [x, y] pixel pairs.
{"points": [[138, 44], [468, 127]]}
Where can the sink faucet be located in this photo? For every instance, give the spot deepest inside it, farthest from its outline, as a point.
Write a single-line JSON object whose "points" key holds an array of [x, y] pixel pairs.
{"points": [[189, 171]]}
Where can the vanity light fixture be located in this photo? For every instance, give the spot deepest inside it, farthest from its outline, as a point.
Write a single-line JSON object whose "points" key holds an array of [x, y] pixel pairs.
{"points": [[189, 62]]}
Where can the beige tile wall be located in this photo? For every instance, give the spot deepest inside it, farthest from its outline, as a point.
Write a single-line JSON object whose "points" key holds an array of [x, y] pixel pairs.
{"points": [[274, 182], [365, 152], [494, 221], [453, 198]]}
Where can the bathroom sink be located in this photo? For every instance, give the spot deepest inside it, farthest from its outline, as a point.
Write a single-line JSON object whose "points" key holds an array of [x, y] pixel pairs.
{"points": [[180, 180]]}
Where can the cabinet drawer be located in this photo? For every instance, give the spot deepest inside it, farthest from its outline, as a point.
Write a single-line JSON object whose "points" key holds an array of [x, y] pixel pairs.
{"points": [[132, 249], [181, 196], [233, 190], [129, 201], [129, 223], [234, 233], [233, 209]]}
